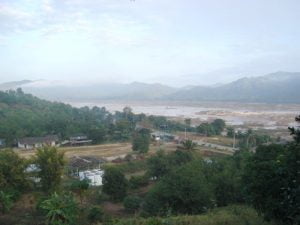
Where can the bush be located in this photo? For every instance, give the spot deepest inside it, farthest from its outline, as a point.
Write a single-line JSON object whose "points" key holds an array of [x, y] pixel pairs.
{"points": [[95, 214], [132, 203], [114, 183], [138, 181], [184, 190]]}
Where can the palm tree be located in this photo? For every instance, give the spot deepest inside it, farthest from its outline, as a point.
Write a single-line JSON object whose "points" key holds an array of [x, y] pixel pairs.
{"points": [[188, 145], [5, 202], [61, 209]]}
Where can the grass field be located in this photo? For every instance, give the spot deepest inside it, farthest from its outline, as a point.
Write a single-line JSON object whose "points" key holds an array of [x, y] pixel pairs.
{"points": [[115, 150]]}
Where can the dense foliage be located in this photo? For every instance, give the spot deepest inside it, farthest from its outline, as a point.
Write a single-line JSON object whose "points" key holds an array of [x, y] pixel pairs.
{"points": [[23, 115], [141, 140], [184, 190], [60, 209], [272, 181], [114, 183], [13, 180], [50, 164], [213, 128]]}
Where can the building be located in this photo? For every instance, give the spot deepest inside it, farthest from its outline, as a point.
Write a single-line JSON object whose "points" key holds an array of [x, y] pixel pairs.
{"points": [[37, 142], [80, 140], [162, 136], [94, 177]]}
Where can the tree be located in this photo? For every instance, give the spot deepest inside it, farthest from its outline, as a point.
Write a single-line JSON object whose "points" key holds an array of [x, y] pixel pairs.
{"points": [[218, 126], [158, 165], [80, 187], [185, 190], [12, 175], [51, 164], [132, 203], [188, 122], [188, 145], [206, 129], [141, 140], [272, 182], [95, 214], [60, 209], [230, 132], [295, 131], [114, 183], [6, 202], [161, 164]]}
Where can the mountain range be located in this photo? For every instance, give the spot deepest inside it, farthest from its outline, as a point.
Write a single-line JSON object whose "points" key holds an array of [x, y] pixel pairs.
{"points": [[279, 87]]}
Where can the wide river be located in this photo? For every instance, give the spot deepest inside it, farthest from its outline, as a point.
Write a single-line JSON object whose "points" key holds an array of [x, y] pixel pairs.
{"points": [[269, 116]]}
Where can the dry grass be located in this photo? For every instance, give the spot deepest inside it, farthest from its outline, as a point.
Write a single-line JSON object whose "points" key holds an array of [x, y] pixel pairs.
{"points": [[219, 140], [105, 150], [113, 151]]}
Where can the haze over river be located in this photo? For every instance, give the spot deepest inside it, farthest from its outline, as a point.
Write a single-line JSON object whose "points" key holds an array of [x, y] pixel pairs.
{"points": [[268, 116]]}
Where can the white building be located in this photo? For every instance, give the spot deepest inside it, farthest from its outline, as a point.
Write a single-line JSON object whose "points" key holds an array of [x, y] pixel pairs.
{"points": [[93, 176]]}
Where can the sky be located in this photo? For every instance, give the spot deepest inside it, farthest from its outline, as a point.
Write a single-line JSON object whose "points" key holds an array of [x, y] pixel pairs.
{"points": [[174, 42]]}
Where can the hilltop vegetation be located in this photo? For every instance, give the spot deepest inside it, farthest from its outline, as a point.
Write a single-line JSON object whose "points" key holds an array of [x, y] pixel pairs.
{"points": [[23, 115]]}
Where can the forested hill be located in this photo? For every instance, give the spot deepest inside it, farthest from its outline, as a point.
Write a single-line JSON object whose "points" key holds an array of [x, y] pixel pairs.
{"points": [[24, 115]]}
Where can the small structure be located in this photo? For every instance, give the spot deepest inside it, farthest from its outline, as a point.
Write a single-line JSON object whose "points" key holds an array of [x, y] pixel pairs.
{"points": [[37, 142], [80, 140], [32, 173], [162, 136], [84, 162], [2, 143], [93, 176]]}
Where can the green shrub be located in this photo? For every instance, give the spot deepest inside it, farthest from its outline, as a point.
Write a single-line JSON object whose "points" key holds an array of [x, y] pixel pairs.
{"points": [[138, 181], [132, 203], [95, 214]]}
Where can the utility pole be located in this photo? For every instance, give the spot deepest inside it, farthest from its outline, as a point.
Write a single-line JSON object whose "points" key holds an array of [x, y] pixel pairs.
{"points": [[185, 133]]}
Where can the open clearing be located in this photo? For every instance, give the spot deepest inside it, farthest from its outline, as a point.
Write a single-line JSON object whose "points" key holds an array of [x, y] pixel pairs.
{"points": [[113, 151]]}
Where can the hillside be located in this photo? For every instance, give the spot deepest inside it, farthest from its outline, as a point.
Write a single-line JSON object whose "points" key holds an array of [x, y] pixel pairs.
{"points": [[64, 92], [280, 87]]}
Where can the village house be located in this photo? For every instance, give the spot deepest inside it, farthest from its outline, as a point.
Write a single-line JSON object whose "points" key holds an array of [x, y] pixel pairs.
{"points": [[162, 136], [80, 140], [37, 142]]}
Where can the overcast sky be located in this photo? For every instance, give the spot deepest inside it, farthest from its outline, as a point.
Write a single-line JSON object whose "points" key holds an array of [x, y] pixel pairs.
{"points": [[176, 42]]}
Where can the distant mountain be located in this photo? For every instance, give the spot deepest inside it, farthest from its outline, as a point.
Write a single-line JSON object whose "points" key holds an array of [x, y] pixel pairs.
{"points": [[55, 90], [13, 84], [279, 87]]}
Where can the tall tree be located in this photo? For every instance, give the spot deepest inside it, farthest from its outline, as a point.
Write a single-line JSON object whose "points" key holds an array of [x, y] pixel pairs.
{"points": [[295, 131], [272, 181], [12, 175], [51, 164], [114, 183], [141, 140]]}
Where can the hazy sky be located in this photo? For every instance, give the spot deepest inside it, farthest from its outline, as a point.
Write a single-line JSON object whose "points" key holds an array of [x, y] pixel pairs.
{"points": [[176, 42]]}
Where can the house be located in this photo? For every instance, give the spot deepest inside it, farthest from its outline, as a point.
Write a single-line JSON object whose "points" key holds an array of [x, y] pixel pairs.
{"points": [[2, 143], [157, 136], [37, 142], [80, 140]]}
